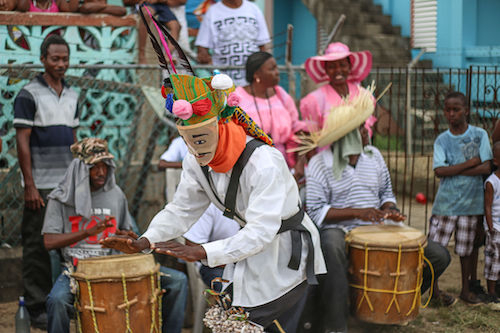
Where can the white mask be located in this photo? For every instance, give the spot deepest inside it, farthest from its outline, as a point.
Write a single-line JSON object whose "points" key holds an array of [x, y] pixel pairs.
{"points": [[201, 139]]}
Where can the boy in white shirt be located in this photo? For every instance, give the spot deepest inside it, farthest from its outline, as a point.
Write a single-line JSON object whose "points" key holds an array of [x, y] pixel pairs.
{"points": [[492, 226]]}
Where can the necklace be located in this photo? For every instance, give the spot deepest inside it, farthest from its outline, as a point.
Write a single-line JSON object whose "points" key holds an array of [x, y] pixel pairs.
{"points": [[258, 112]]}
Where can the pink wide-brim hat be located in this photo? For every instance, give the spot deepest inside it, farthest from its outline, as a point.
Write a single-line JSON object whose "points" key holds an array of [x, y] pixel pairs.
{"points": [[361, 63]]}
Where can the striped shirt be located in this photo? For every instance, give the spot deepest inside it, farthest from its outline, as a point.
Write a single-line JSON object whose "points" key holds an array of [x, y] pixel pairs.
{"points": [[368, 185], [52, 119]]}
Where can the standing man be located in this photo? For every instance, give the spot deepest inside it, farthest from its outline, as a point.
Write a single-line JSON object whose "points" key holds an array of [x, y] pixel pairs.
{"points": [[45, 118], [233, 30]]}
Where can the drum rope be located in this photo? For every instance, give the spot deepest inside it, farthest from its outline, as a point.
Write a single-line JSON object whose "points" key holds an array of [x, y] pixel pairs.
{"points": [[94, 320], [76, 305], [431, 290], [127, 307], [394, 299], [365, 278], [153, 328], [394, 291], [158, 276]]}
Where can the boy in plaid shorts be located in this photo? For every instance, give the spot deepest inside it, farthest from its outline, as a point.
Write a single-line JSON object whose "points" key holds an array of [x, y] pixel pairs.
{"points": [[462, 155], [492, 225]]}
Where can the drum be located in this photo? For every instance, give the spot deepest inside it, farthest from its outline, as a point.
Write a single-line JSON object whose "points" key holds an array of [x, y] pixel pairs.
{"points": [[385, 272], [119, 293]]}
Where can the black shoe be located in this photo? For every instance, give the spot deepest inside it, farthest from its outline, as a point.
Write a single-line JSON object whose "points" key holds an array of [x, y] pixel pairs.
{"points": [[40, 321], [476, 288]]}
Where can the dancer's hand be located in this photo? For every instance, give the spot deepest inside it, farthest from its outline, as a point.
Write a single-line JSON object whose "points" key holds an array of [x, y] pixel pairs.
{"points": [[181, 251], [125, 243]]}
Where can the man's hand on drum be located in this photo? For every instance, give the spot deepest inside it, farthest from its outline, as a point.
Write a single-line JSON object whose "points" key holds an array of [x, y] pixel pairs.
{"points": [[181, 251], [371, 215], [392, 212], [126, 242], [394, 215]]}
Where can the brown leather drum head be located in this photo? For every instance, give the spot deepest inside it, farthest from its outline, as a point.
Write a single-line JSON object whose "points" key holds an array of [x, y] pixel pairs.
{"points": [[386, 236]]}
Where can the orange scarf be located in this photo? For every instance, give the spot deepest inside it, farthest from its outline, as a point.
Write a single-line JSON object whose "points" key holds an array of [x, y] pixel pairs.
{"points": [[232, 142]]}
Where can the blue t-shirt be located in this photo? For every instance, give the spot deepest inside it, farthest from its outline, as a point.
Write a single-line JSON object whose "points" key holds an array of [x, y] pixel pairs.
{"points": [[460, 195]]}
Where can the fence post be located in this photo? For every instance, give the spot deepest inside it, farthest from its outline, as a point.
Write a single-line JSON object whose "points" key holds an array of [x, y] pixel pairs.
{"points": [[288, 61], [409, 134]]}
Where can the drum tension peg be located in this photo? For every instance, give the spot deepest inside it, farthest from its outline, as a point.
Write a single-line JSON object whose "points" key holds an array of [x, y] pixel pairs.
{"points": [[94, 308], [397, 274], [374, 273], [129, 303]]}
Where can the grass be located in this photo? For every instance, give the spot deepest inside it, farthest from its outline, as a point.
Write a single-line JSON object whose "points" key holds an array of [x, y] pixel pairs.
{"points": [[458, 318]]}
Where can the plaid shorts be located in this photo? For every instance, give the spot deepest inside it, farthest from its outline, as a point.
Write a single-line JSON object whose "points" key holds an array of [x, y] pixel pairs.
{"points": [[442, 227], [492, 256]]}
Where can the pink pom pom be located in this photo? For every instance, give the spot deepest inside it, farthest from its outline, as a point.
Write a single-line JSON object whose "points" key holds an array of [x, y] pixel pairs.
{"points": [[233, 99], [182, 109]]}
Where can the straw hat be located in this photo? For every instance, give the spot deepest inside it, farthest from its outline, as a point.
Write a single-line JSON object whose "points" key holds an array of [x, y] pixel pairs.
{"points": [[361, 63]]}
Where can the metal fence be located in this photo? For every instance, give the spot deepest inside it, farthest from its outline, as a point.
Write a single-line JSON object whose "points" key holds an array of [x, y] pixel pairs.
{"points": [[117, 103]]}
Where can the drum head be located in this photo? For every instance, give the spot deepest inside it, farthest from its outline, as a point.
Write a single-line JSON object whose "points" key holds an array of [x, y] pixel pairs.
{"points": [[131, 265], [386, 236]]}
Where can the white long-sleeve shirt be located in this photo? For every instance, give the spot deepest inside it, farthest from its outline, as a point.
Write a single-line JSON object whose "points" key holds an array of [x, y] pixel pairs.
{"points": [[267, 194]]}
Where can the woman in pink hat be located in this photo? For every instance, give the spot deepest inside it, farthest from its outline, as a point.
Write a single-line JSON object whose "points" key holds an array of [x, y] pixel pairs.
{"points": [[343, 70]]}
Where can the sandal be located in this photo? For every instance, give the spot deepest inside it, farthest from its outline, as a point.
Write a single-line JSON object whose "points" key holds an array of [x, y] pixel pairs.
{"points": [[471, 300], [444, 299]]}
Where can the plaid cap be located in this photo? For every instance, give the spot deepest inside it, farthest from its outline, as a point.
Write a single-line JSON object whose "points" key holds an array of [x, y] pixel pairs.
{"points": [[91, 150]]}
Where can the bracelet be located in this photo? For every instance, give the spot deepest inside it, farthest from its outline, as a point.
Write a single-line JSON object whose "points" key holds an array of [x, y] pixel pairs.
{"points": [[395, 209]]}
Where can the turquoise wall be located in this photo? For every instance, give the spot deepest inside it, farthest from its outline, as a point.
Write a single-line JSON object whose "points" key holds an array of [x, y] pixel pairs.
{"points": [[304, 34], [400, 11]]}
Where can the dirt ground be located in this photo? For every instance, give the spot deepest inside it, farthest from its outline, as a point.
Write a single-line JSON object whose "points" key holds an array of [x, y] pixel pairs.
{"points": [[459, 318]]}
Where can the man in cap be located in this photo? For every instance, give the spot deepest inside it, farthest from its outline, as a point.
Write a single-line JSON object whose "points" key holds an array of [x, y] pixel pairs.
{"points": [[232, 164], [84, 208]]}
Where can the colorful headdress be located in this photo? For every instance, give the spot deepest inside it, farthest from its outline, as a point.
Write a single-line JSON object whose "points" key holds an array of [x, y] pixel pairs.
{"points": [[194, 100]]}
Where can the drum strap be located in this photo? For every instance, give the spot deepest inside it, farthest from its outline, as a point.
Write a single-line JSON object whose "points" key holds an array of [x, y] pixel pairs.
{"points": [[292, 224]]}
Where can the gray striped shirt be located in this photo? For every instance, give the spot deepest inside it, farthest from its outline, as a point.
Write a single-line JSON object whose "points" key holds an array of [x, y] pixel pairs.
{"points": [[368, 185]]}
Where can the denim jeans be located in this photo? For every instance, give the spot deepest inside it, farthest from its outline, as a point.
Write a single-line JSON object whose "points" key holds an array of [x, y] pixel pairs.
{"points": [[60, 302]]}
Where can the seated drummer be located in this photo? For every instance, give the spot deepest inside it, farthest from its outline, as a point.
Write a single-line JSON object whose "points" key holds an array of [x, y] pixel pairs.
{"points": [[86, 207], [344, 191]]}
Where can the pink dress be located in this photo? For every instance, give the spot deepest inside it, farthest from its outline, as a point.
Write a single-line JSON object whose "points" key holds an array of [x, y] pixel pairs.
{"points": [[315, 106], [52, 9], [277, 116]]}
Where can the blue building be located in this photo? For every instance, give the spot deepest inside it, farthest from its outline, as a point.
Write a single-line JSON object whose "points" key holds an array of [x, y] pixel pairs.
{"points": [[456, 33]]}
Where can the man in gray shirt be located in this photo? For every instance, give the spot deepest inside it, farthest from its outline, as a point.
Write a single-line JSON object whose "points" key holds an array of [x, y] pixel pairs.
{"points": [[88, 206]]}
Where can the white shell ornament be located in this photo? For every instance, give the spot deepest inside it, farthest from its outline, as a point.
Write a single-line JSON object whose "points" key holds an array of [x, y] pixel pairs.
{"points": [[221, 82]]}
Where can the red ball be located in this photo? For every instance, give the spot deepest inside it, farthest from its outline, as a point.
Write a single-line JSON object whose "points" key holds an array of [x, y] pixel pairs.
{"points": [[420, 197], [163, 92]]}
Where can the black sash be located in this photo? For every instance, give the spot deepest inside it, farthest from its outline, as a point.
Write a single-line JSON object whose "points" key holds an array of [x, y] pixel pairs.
{"points": [[292, 224]]}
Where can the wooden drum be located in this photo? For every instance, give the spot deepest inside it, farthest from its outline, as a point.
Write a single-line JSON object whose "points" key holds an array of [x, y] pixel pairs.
{"points": [[119, 293], [385, 272]]}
